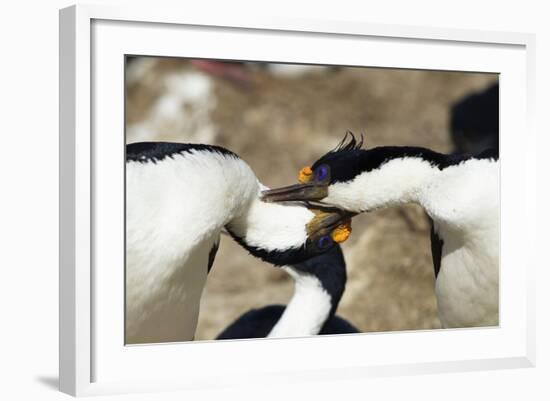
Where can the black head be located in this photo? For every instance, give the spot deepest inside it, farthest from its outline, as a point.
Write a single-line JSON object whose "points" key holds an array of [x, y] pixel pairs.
{"points": [[343, 164], [340, 164]]}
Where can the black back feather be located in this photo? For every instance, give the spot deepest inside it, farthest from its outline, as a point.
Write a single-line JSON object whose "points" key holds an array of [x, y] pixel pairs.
{"points": [[153, 152]]}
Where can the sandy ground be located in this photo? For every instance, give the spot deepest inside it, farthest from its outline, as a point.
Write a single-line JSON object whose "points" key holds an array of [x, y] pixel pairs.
{"points": [[280, 123]]}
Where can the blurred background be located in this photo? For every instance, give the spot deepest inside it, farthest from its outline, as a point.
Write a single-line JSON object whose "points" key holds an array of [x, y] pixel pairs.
{"points": [[280, 118]]}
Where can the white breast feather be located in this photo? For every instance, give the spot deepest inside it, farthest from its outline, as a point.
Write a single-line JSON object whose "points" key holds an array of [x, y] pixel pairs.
{"points": [[465, 205]]}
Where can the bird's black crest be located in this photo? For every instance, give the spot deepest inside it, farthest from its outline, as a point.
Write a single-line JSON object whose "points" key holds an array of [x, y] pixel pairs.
{"points": [[343, 159], [348, 144]]}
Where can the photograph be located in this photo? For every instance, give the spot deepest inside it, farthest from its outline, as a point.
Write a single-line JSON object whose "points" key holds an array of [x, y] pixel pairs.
{"points": [[273, 200]]}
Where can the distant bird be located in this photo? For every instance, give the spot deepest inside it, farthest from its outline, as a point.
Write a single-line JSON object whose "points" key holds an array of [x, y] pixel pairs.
{"points": [[459, 193], [319, 284], [179, 197], [474, 121]]}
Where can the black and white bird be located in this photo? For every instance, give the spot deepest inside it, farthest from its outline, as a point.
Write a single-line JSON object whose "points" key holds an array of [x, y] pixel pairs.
{"points": [[459, 193], [319, 284], [179, 198]]}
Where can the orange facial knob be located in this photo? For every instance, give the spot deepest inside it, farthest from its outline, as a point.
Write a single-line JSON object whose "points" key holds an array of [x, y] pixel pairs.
{"points": [[341, 233], [305, 175]]}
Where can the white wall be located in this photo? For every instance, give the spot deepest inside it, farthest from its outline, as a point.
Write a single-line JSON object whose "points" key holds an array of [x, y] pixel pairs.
{"points": [[28, 197]]}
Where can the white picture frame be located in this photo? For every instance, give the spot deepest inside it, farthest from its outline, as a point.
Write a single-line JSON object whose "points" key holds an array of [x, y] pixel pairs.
{"points": [[93, 358]]}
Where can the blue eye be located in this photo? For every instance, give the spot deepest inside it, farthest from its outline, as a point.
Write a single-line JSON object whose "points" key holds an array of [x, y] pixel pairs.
{"points": [[324, 242], [321, 173]]}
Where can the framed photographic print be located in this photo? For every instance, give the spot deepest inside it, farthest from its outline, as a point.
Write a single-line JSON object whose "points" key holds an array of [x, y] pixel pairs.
{"points": [[212, 171]]}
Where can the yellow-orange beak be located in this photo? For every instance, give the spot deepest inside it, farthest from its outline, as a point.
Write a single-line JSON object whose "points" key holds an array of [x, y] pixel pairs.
{"points": [[335, 223], [342, 232], [306, 190], [305, 174]]}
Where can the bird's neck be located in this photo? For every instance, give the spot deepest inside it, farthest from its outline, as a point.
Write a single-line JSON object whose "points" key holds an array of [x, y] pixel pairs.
{"points": [[398, 181], [310, 307], [268, 229]]}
